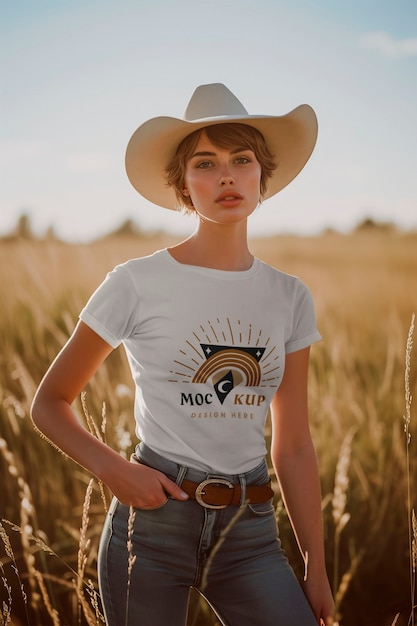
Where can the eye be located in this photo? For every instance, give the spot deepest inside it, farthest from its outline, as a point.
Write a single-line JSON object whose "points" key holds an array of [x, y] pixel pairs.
{"points": [[203, 165], [242, 160]]}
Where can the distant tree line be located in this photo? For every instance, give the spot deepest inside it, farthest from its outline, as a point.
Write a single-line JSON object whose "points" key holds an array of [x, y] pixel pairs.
{"points": [[24, 230]]}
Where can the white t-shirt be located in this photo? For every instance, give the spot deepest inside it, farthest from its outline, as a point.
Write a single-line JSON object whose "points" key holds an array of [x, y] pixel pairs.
{"points": [[207, 352]]}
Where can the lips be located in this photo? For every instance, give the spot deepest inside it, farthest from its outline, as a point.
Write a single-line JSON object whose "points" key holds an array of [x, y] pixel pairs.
{"points": [[229, 196]]}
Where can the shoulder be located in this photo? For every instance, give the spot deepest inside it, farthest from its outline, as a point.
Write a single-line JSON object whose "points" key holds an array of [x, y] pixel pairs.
{"points": [[287, 282], [141, 268], [154, 260]]}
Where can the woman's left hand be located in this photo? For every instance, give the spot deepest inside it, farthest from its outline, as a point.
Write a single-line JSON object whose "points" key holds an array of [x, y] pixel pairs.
{"points": [[319, 595]]}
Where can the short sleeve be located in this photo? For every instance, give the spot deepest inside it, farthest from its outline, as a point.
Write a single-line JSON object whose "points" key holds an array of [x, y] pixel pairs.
{"points": [[304, 327], [112, 309]]}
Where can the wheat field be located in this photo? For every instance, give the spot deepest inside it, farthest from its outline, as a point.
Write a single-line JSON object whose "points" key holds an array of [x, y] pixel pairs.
{"points": [[363, 422]]}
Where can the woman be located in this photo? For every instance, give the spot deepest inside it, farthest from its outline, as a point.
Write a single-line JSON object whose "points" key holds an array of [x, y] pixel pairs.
{"points": [[214, 339]]}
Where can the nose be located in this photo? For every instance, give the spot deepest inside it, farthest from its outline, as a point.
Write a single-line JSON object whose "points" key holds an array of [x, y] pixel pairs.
{"points": [[225, 173], [226, 179]]}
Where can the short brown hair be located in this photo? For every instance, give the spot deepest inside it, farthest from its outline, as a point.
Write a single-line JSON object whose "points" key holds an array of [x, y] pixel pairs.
{"points": [[228, 135]]}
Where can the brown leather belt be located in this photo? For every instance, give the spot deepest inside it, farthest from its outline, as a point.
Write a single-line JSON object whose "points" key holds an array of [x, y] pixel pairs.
{"points": [[217, 493]]}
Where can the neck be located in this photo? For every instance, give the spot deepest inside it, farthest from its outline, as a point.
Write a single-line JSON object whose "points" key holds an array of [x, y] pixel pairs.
{"points": [[222, 247]]}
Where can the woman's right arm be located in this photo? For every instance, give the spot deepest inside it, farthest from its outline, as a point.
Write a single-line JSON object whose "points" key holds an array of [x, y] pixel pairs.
{"points": [[51, 412]]}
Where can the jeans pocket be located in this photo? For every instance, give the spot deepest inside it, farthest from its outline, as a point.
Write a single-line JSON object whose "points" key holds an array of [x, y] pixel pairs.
{"points": [[154, 508], [262, 509]]}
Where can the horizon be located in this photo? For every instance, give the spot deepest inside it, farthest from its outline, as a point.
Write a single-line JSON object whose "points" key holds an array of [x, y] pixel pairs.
{"points": [[23, 229]]}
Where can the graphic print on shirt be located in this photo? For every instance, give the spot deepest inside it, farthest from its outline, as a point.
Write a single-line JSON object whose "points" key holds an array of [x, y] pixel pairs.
{"points": [[227, 358]]}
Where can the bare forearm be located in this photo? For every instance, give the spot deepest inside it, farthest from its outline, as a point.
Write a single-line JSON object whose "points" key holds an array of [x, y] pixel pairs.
{"points": [[59, 424], [295, 464], [300, 487]]}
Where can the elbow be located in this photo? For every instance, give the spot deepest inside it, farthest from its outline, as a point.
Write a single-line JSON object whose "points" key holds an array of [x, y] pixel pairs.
{"points": [[39, 412]]}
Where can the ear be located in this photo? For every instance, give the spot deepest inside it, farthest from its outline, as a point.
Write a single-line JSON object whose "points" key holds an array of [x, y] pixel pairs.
{"points": [[185, 191]]}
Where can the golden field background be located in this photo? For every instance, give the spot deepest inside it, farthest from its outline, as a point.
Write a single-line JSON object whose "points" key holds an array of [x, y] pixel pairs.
{"points": [[365, 290]]}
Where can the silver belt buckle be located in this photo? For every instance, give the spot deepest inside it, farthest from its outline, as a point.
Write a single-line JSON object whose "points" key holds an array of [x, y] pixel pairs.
{"points": [[199, 492]]}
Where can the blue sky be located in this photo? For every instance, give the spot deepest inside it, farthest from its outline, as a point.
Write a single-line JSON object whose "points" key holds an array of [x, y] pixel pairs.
{"points": [[77, 78]]}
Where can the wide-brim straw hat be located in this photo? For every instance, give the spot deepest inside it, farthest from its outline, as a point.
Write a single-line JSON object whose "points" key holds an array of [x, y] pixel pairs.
{"points": [[290, 138]]}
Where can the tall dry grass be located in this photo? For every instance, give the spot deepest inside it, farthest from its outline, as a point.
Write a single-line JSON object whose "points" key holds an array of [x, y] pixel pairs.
{"points": [[365, 292]]}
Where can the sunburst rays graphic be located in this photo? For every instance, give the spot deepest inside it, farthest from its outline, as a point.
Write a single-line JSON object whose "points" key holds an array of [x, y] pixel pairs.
{"points": [[219, 348]]}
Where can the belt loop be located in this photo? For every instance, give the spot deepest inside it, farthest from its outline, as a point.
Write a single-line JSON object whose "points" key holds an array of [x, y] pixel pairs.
{"points": [[242, 480], [181, 474]]}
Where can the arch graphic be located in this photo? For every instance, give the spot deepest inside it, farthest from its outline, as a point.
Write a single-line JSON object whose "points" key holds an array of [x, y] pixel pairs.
{"points": [[229, 359]]}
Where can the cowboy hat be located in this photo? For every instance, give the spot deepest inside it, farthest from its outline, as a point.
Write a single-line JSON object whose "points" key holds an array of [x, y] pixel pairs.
{"points": [[290, 138]]}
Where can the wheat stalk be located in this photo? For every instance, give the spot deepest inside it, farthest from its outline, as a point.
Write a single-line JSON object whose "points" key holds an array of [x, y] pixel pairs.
{"points": [[94, 599], [216, 547], [37, 540], [407, 422], [219, 543], [84, 542], [94, 430], [130, 529], [40, 543], [36, 580], [9, 552], [92, 426], [7, 545], [12, 467], [339, 500], [131, 557], [53, 613], [344, 584], [83, 546], [6, 612]]}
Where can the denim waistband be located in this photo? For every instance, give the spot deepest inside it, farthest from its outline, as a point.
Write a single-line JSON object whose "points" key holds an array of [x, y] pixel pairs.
{"points": [[258, 475]]}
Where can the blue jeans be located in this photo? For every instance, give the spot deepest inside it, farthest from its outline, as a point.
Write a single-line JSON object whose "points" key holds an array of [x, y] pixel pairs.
{"points": [[232, 556]]}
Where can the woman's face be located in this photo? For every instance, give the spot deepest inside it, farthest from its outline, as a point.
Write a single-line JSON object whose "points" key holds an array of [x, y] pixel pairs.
{"points": [[223, 184]]}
